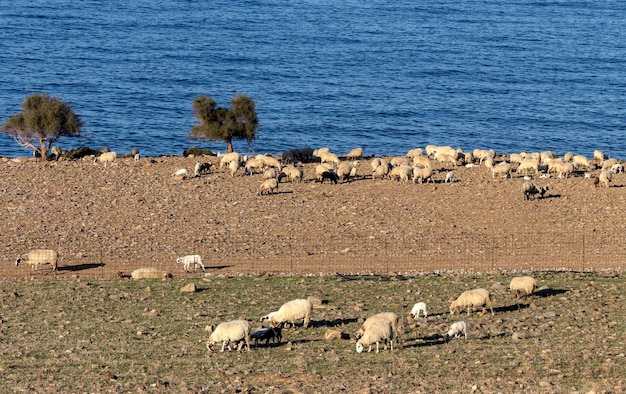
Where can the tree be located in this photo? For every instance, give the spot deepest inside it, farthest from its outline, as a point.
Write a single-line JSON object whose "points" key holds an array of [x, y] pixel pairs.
{"points": [[42, 122], [222, 124]]}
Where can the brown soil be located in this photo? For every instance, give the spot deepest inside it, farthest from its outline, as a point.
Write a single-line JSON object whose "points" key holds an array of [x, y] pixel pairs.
{"points": [[133, 214]]}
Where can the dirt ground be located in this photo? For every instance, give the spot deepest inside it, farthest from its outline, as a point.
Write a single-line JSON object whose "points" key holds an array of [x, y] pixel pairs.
{"points": [[136, 213]]}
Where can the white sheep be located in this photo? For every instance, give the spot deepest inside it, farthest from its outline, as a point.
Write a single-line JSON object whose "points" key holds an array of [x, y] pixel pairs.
{"points": [[502, 170], [345, 170], [422, 161], [604, 179], [291, 311], [268, 317], [528, 166], [182, 173], [233, 167], [401, 173], [229, 157], [379, 331], [482, 154], [456, 329], [108, 157], [39, 257], [268, 186], [328, 157], [414, 153], [390, 316], [421, 174], [417, 308], [382, 170], [188, 260], [355, 154], [598, 156], [269, 161], [526, 284], [606, 166], [375, 163], [294, 174], [269, 174], [581, 161], [449, 177], [232, 331], [470, 299], [253, 166], [150, 273]]}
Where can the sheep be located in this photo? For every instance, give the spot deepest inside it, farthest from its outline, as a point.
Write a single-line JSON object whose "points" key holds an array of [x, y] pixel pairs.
{"points": [[528, 166], [328, 157], [235, 331], [345, 169], [401, 173], [291, 311], [417, 308], [267, 334], [379, 331], [581, 161], [269, 161], [565, 170], [608, 164], [390, 316], [150, 273], [320, 169], [107, 157], [482, 154], [201, 169], [39, 257], [355, 154], [445, 158], [598, 156], [269, 174], [268, 317], [516, 158], [252, 166], [422, 161], [470, 299], [398, 161], [375, 163], [450, 177], [530, 190], [381, 171], [501, 169], [546, 156], [182, 173], [331, 175], [294, 174], [268, 186], [526, 284], [188, 260], [617, 168], [604, 179], [319, 152], [233, 166], [229, 157], [421, 174], [414, 153], [456, 329]]}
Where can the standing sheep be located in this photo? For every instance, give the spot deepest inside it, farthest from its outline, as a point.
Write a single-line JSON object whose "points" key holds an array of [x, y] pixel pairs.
{"points": [[379, 331], [604, 178], [417, 308], [268, 186], [294, 174], [188, 260], [39, 257], [229, 157], [235, 331], [291, 311], [355, 154], [470, 299], [456, 329], [502, 170], [267, 334], [526, 284], [421, 174], [107, 157], [390, 316]]}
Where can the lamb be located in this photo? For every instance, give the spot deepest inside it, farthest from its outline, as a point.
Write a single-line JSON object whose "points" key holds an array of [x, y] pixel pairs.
{"points": [[379, 331], [108, 157], [233, 166], [355, 154], [450, 177], [417, 308], [293, 310], [331, 175], [39, 257], [188, 260], [526, 284], [501, 169], [530, 190], [268, 186], [320, 169], [604, 179], [456, 329], [201, 169], [390, 316], [470, 299], [267, 334], [421, 174], [229, 157], [182, 173], [235, 331], [150, 273]]}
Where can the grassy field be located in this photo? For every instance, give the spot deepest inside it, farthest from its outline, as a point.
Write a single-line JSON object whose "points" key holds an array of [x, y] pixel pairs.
{"points": [[146, 336]]}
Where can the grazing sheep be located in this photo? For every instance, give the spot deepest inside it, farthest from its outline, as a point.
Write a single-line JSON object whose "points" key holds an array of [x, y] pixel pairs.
{"points": [[421, 174], [502, 170], [414, 153], [39, 257], [445, 158], [182, 173], [328, 157], [417, 308], [291, 311], [375, 163], [398, 161], [345, 170], [604, 179], [401, 173], [235, 331], [530, 190], [390, 316], [320, 169], [456, 329], [355, 154], [150, 273], [581, 161], [598, 156], [294, 174], [565, 170], [268, 186], [482, 154], [229, 157], [188, 260], [267, 334], [379, 331], [528, 166], [422, 161], [382, 170], [470, 299], [252, 166], [234, 166], [269, 174], [201, 169], [331, 175], [269, 161], [268, 317], [108, 157], [526, 284], [449, 177]]}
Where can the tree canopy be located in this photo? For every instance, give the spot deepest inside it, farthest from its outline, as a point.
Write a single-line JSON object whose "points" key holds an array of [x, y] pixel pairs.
{"points": [[223, 124], [42, 122]]}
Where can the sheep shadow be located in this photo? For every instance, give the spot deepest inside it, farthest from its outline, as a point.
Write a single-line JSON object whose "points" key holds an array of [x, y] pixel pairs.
{"points": [[331, 323], [80, 267], [423, 342], [548, 292], [511, 308], [216, 267], [549, 196]]}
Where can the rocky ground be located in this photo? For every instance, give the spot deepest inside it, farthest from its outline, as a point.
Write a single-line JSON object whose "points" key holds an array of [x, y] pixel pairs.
{"points": [[135, 213]]}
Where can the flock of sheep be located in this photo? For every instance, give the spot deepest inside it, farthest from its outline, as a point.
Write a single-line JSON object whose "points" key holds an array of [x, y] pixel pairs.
{"points": [[380, 328], [417, 166]]}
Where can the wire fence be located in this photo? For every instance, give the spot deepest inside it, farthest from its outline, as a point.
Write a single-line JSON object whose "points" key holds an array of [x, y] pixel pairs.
{"points": [[95, 258]]}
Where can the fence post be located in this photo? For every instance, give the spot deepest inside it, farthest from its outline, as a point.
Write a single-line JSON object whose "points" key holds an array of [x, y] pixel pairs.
{"points": [[583, 254]]}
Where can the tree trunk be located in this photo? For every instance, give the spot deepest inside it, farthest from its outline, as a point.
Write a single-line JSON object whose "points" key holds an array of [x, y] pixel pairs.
{"points": [[230, 145]]}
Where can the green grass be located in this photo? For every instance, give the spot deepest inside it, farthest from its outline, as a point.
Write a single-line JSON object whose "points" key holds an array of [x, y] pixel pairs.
{"points": [[127, 336]]}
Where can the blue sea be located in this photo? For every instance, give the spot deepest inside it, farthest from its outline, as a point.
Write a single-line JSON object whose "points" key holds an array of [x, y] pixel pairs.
{"points": [[387, 76]]}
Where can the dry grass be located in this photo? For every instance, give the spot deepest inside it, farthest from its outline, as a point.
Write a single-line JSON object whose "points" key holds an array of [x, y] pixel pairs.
{"points": [[147, 336]]}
